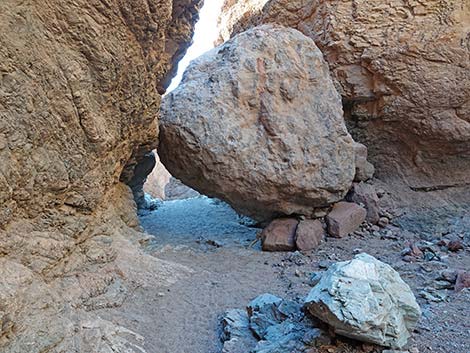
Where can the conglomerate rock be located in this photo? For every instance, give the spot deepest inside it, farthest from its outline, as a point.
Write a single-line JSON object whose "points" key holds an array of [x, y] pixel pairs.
{"points": [[367, 300], [78, 100], [403, 70], [258, 123]]}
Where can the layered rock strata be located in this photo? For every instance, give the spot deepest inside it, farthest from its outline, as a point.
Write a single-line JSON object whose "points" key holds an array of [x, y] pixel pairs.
{"points": [[78, 101]]}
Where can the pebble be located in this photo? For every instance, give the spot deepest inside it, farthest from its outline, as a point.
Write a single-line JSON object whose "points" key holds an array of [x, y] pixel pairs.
{"points": [[324, 264], [383, 222], [455, 245]]}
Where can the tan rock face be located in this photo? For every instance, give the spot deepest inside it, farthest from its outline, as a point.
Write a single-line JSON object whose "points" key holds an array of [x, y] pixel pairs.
{"points": [[78, 101], [257, 122], [403, 70]]}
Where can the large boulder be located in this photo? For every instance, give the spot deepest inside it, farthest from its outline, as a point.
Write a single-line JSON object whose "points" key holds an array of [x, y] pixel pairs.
{"points": [[367, 300], [257, 122], [403, 70]]}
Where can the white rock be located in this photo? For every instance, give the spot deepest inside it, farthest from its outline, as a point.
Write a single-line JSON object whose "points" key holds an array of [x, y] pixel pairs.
{"points": [[367, 300]]}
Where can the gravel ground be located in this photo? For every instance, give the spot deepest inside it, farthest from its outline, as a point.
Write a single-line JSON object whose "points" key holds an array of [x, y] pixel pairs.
{"points": [[227, 271]]}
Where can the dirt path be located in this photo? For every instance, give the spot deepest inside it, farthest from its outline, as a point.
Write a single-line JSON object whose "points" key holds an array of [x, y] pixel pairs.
{"points": [[208, 238]]}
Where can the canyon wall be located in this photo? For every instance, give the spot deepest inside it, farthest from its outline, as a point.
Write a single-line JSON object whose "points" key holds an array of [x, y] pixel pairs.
{"points": [[79, 95], [403, 70]]}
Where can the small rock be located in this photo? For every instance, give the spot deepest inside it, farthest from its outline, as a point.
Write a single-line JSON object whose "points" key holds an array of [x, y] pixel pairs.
{"points": [[279, 235], [345, 218], [315, 278], [455, 245], [442, 285], [412, 250], [462, 281], [375, 228], [365, 194], [263, 312], [365, 299], [214, 243], [433, 295], [324, 264], [383, 222], [309, 234], [236, 333], [448, 275], [364, 169]]}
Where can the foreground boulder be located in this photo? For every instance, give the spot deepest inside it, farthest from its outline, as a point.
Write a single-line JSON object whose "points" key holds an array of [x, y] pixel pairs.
{"points": [[367, 300], [258, 123]]}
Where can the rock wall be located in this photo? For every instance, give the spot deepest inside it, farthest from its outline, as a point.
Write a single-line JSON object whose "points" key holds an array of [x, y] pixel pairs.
{"points": [[78, 102], [403, 70]]}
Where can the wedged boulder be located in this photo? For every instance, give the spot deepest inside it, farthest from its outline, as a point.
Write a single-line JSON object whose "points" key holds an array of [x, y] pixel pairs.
{"points": [[365, 299], [258, 123]]}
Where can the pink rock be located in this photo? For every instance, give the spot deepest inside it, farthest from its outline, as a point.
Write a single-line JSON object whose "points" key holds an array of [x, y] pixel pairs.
{"points": [[365, 194], [463, 280], [279, 235], [309, 234], [345, 218], [455, 245]]}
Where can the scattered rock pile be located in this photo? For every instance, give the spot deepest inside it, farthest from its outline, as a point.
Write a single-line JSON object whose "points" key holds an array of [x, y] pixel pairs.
{"points": [[270, 324], [288, 234]]}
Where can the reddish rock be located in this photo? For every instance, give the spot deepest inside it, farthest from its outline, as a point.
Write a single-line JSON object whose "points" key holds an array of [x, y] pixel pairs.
{"points": [[279, 235], [463, 280], [345, 218], [455, 245], [415, 250], [309, 234], [365, 194]]}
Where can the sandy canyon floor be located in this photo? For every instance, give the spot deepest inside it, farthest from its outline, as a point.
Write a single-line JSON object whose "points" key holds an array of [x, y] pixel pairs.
{"points": [[225, 270]]}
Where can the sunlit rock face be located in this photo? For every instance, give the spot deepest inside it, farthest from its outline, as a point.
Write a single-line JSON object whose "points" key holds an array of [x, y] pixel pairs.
{"points": [[258, 123], [78, 101], [403, 71]]}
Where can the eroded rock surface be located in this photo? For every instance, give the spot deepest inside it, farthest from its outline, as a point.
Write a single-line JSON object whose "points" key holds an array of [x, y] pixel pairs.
{"points": [[258, 123], [367, 300], [78, 101], [403, 70]]}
